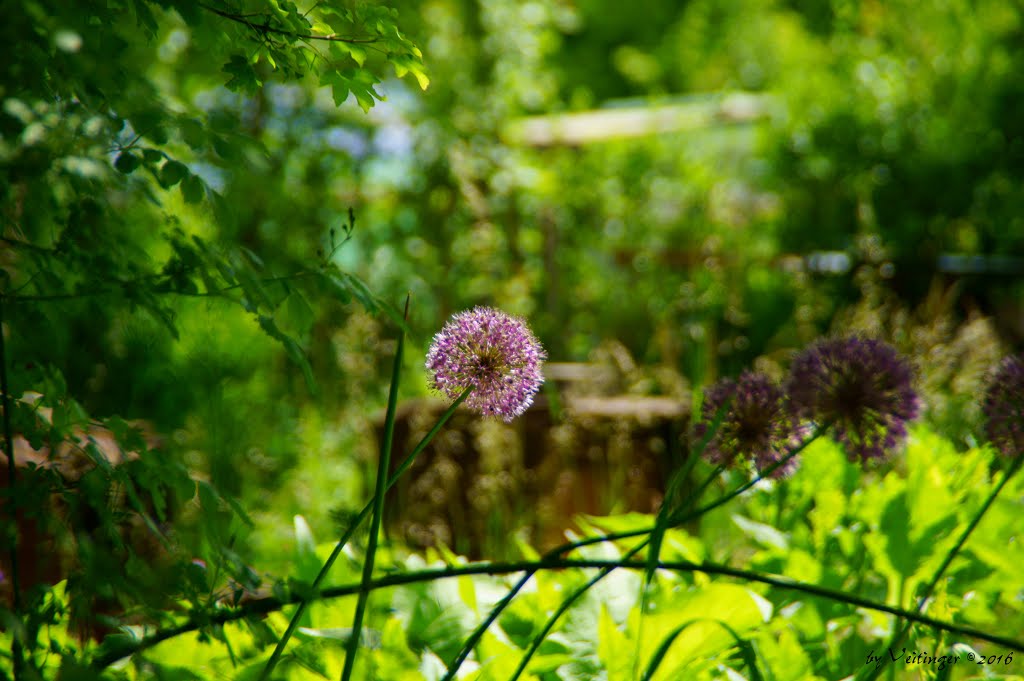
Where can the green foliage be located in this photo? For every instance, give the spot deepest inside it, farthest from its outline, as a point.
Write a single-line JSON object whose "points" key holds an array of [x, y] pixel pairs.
{"points": [[116, 180], [194, 340], [701, 624]]}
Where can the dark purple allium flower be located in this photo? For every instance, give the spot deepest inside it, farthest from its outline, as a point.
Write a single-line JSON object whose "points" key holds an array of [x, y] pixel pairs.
{"points": [[494, 353], [757, 424], [862, 387], [1004, 407]]}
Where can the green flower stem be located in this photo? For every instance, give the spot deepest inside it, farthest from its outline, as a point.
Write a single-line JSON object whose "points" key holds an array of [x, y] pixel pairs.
{"points": [[695, 497], [17, 655], [897, 639], [818, 432], [268, 605], [383, 466], [329, 563], [657, 532], [567, 603], [500, 606], [662, 523]]}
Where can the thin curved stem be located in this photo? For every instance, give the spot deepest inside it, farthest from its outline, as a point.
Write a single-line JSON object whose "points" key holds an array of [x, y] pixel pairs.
{"points": [[565, 605], [347, 535], [268, 605], [818, 432], [500, 606], [117, 285], [383, 466], [897, 638]]}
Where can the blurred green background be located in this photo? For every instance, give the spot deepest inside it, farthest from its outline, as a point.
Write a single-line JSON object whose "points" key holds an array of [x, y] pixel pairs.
{"points": [[679, 190]]}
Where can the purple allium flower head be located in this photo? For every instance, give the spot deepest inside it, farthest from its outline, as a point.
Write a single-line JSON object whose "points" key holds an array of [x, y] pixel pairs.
{"points": [[1004, 407], [757, 424], [494, 353], [862, 387]]}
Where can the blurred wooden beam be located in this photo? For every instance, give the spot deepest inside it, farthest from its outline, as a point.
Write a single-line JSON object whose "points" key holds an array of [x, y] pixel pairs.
{"points": [[624, 122]]}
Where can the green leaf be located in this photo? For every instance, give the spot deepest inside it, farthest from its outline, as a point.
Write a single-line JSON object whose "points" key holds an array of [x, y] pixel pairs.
{"points": [[193, 133], [306, 562], [746, 649], [222, 210], [614, 648], [421, 77], [338, 84], [255, 295], [766, 535], [712, 616], [153, 156], [293, 349], [357, 82], [172, 173], [243, 75], [127, 162], [361, 292], [338, 287], [357, 53], [193, 189], [150, 123], [225, 148], [895, 526], [299, 314], [405, 64]]}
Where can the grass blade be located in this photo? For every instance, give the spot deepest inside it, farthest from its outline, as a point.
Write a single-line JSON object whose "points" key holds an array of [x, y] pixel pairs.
{"points": [[383, 466]]}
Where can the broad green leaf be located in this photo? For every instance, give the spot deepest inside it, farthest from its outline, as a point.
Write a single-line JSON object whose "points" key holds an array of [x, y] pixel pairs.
{"points": [[746, 650], [421, 77], [623, 522], [226, 148]]}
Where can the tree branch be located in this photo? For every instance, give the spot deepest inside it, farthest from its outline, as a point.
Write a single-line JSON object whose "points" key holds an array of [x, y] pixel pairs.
{"points": [[267, 28]]}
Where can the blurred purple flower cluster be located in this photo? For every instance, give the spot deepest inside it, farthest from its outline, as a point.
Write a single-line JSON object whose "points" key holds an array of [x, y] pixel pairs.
{"points": [[1004, 407], [861, 388], [757, 422]]}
